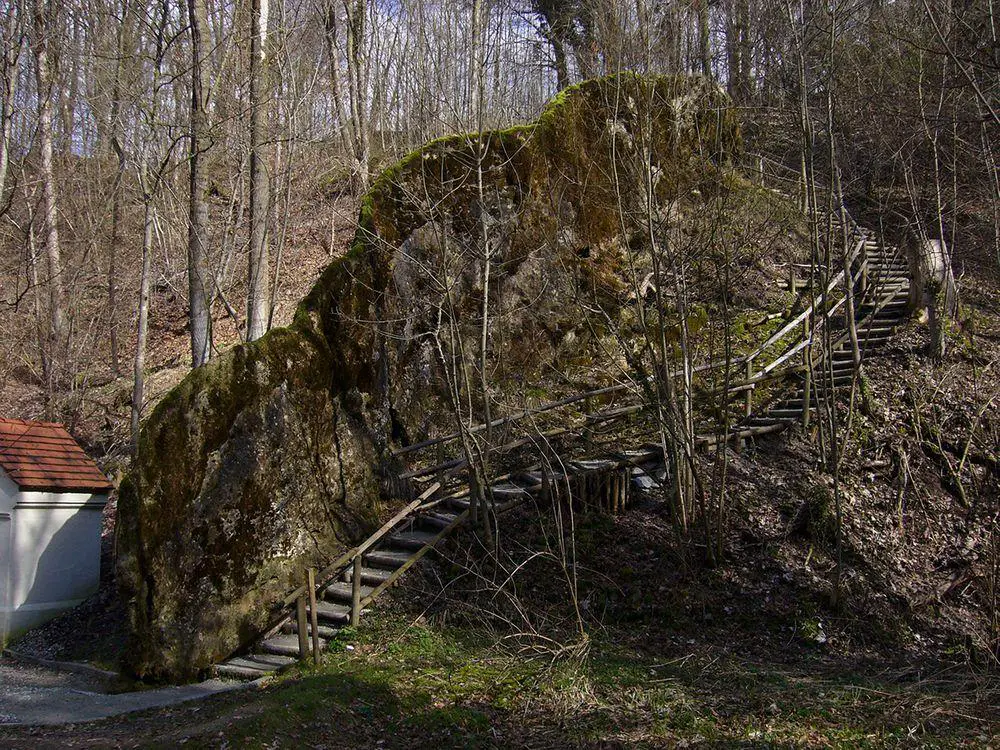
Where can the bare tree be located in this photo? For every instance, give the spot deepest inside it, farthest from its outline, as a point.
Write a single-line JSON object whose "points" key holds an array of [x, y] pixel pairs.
{"points": [[199, 278], [13, 40], [44, 24], [258, 314], [357, 82]]}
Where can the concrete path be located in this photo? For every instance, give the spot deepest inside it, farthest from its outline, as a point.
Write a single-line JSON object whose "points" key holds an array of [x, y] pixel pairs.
{"points": [[36, 695]]}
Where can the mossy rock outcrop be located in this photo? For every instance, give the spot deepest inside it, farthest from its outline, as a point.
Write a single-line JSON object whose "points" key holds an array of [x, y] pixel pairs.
{"points": [[278, 454]]}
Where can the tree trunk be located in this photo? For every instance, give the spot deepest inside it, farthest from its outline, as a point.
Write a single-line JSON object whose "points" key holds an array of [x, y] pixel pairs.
{"points": [[13, 48], [559, 58], [332, 51], [257, 301], [356, 79], [199, 282], [738, 51], [142, 328], [704, 39], [50, 207], [117, 193]]}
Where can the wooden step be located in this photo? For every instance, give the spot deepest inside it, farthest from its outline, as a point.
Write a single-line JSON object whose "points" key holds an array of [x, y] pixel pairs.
{"points": [[508, 491], [776, 425], [331, 612], [784, 414], [899, 312], [822, 383], [341, 591], [411, 540], [459, 502], [387, 559], [885, 319], [253, 666], [595, 464], [764, 421], [529, 479], [839, 376], [841, 365], [894, 311], [369, 575], [439, 520], [238, 672], [876, 332], [286, 645], [326, 632]]}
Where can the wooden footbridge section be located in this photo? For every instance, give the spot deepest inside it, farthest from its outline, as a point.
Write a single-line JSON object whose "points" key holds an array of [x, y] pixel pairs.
{"points": [[792, 362]]}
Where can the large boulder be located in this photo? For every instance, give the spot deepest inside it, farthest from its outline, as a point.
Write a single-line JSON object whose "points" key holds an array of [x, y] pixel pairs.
{"points": [[278, 454]]}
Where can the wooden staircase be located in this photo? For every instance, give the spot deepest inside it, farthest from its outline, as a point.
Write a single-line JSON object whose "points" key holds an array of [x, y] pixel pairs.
{"points": [[364, 573], [883, 309], [347, 586], [338, 595]]}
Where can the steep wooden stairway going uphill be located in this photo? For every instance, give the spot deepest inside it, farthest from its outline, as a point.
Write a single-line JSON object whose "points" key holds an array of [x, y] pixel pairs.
{"points": [[344, 589], [375, 565], [883, 309], [813, 367]]}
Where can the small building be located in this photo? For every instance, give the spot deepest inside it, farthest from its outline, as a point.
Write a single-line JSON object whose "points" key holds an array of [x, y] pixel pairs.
{"points": [[51, 500]]}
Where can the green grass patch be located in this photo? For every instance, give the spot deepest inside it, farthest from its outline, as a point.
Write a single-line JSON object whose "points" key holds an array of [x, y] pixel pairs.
{"points": [[392, 683]]}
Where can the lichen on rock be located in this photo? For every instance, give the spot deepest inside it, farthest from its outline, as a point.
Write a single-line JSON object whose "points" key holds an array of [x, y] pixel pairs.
{"points": [[277, 455]]}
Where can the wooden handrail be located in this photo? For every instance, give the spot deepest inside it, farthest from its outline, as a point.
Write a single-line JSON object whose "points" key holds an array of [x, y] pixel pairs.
{"points": [[412, 560], [788, 327], [513, 418], [337, 566], [458, 464], [771, 371], [576, 398]]}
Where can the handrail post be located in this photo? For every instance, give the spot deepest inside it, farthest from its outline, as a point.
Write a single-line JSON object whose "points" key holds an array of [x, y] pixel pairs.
{"points": [[356, 592], [300, 621], [313, 614], [807, 363]]}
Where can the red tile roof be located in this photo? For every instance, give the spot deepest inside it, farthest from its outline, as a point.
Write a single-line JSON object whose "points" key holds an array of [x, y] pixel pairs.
{"points": [[42, 456]]}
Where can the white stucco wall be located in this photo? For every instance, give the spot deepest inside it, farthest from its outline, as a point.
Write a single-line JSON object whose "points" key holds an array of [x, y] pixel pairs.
{"points": [[52, 560], [8, 492], [5, 565]]}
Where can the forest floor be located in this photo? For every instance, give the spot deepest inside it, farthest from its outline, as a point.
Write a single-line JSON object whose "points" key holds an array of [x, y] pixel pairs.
{"points": [[404, 682]]}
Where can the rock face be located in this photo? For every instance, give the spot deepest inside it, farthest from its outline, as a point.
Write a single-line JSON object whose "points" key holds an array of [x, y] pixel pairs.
{"points": [[277, 455]]}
